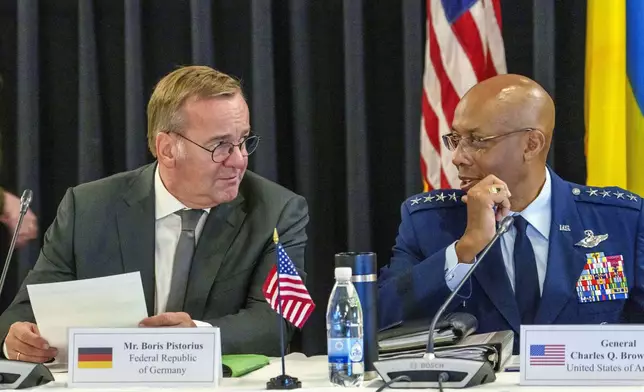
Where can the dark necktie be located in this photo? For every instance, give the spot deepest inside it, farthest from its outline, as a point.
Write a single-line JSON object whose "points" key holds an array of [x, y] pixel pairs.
{"points": [[526, 278], [183, 259]]}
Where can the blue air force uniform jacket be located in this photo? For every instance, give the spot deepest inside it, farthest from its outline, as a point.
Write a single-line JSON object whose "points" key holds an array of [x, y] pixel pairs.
{"points": [[413, 285]]}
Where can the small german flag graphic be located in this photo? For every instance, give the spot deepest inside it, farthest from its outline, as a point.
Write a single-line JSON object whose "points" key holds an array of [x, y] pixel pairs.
{"points": [[95, 357]]}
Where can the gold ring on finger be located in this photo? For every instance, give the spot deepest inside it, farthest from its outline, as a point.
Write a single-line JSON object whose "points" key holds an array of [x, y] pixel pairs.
{"points": [[494, 189], [18, 357]]}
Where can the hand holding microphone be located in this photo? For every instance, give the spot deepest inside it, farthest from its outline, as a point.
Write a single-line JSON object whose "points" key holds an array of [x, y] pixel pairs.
{"points": [[487, 203]]}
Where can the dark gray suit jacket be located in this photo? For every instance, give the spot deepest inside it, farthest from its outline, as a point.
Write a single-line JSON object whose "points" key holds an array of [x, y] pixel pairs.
{"points": [[107, 227]]}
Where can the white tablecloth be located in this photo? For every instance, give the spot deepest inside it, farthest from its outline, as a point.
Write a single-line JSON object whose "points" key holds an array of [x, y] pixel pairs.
{"points": [[313, 374]]}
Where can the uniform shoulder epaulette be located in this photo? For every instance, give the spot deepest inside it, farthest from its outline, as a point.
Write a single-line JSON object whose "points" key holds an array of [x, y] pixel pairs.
{"points": [[611, 195], [439, 198]]}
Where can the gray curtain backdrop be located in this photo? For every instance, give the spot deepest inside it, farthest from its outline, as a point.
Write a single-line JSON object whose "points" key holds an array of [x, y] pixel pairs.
{"points": [[333, 86]]}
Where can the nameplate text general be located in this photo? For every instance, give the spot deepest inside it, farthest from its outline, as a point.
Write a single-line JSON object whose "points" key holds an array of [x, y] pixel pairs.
{"points": [[582, 354]]}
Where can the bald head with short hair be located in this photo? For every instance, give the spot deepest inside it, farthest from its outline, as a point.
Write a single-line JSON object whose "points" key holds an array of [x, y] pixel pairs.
{"points": [[511, 102], [515, 117]]}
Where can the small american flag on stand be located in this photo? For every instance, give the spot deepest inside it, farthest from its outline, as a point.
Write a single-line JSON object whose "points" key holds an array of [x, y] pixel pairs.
{"points": [[283, 282]]}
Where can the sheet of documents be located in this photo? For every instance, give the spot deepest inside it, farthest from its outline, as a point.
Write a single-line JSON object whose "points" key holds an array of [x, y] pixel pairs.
{"points": [[110, 302]]}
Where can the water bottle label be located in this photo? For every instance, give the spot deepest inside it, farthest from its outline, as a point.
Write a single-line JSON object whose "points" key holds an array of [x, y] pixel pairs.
{"points": [[345, 350]]}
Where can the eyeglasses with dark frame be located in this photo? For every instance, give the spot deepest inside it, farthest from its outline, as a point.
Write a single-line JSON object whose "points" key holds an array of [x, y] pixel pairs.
{"points": [[452, 140], [223, 150]]}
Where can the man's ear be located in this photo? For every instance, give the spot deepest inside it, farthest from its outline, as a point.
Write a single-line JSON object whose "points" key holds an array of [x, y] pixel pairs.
{"points": [[535, 146], [167, 149]]}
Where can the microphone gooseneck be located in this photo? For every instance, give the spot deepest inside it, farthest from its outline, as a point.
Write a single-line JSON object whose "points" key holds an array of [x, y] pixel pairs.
{"points": [[504, 226], [25, 201]]}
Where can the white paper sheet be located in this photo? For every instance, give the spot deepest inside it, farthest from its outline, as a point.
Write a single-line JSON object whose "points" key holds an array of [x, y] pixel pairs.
{"points": [[110, 302]]}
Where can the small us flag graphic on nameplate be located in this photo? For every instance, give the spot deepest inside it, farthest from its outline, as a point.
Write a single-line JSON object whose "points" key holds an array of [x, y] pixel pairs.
{"points": [[547, 354]]}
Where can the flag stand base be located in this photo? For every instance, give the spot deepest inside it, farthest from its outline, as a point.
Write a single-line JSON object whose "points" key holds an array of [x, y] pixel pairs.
{"points": [[284, 381]]}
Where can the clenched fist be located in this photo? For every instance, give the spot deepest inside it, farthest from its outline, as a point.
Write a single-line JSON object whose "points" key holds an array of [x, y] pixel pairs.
{"points": [[487, 202]]}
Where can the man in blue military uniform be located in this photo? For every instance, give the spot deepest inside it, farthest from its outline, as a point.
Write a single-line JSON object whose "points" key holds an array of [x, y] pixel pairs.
{"points": [[575, 254]]}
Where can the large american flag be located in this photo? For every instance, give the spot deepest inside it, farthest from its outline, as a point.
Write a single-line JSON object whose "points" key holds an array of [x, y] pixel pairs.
{"points": [[547, 354], [297, 304], [464, 46]]}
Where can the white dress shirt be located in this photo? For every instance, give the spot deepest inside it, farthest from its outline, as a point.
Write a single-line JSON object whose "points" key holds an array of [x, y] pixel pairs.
{"points": [[539, 215], [166, 238]]}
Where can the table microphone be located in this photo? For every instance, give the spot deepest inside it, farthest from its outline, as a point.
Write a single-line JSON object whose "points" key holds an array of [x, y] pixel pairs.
{"points": [[25, 201], [18, 374], [430, 371]]}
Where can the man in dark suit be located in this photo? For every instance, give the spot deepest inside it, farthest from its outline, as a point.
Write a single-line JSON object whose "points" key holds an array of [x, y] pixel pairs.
{"points": [[575, 254], [148, 220]]}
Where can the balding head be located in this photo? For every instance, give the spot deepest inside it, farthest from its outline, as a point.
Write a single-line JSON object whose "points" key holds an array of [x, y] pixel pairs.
{"points": [[504, 126], [510, 102]]}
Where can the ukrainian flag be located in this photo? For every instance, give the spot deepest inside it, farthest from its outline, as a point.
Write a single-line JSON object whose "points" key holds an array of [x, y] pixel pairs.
{"points": [[614, 94]]}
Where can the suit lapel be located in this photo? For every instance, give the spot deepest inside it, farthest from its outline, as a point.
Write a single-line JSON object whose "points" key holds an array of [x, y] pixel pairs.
{"points": [[493, 278], [221, 228], [136, 226], [565, 260]]}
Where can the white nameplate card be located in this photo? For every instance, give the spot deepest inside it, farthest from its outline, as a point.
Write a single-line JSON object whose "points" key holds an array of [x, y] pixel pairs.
{"points": [[155, 357], [582, 354]]}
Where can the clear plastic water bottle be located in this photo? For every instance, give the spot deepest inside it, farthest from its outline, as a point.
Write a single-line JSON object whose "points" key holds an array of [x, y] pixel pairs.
{"points": [[344, 332]]}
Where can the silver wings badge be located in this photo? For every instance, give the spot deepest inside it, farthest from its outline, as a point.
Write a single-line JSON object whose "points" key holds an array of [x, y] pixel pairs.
{"points": [[591, 239]]}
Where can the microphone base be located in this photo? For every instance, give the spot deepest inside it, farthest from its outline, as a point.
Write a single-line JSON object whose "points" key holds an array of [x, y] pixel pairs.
{"points": [[19, 375], [424, 372], [284, 381]]}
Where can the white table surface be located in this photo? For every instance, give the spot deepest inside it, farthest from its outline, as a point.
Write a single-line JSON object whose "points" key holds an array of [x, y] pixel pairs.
{"points": [[313, 374]]}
